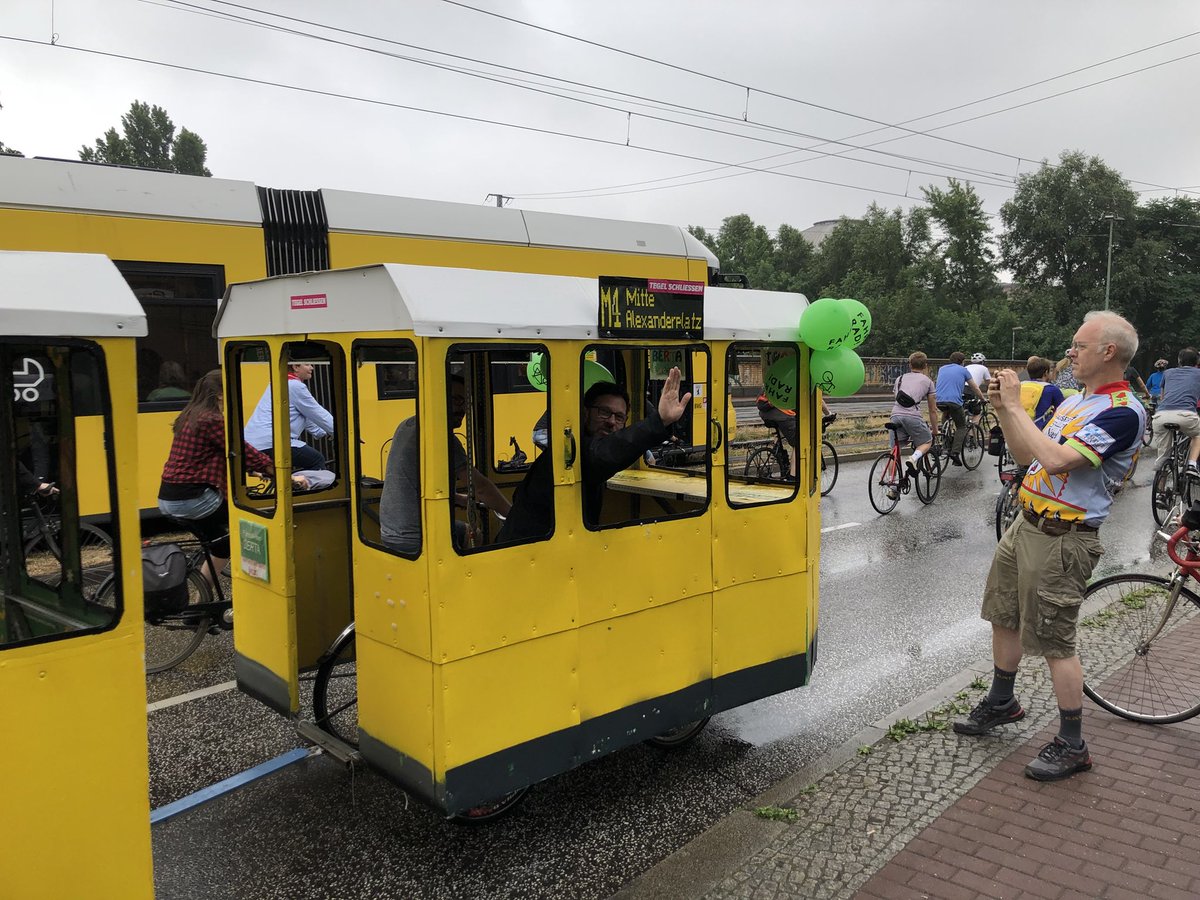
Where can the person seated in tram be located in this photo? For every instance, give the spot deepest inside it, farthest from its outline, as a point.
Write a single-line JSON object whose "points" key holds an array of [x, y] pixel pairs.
{"points": [[306, 415], [608, 448], [400, 502]]}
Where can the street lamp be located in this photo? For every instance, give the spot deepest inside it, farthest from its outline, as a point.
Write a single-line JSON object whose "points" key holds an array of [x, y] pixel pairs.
{"points": [[1112, 218], [1016, 328]]}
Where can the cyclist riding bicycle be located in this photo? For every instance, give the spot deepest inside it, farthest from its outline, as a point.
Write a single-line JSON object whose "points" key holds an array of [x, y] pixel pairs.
{"points": [[1180, 395], [910, 389], [952, 379], [1154, 382]]}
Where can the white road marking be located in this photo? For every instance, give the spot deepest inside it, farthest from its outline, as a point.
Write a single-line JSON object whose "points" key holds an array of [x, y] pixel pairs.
{"points": [[191, 695], [840, 527]]}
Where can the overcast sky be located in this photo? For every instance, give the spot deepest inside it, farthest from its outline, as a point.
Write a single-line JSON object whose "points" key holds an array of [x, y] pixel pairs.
{"points": [[774, 76]]}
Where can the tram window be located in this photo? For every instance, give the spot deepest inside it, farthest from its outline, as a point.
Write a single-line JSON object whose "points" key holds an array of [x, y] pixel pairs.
{"points": [[761, 467], [388, 446], [488, 409], [180, 301], [651, 472], [248, 375], [52, 564], [314, 395]]}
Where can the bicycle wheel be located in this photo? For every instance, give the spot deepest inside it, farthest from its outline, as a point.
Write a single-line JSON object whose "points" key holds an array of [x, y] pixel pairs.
{"points": [[43, 552], [929, 480], [829, 467], [1007, 506], [1137, 670], [883, 486], [1162, 491], [172, 638], [972, 451], [678, 737], [763, 465], [335, 690]]}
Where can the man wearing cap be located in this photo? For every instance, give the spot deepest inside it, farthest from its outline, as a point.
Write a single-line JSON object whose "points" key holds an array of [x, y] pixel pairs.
{"points": [[1042, 563]]}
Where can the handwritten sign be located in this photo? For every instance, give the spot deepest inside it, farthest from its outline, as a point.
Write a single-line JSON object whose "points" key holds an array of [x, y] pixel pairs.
{"points": [[641, 307], [663, 359]]}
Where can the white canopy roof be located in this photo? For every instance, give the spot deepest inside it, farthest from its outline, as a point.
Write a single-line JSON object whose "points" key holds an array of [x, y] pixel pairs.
{"points": [[471, 303], [66, 294]]}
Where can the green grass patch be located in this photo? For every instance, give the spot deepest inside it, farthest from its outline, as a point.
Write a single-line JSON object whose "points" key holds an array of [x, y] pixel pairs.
{"points": [[777, 813]]}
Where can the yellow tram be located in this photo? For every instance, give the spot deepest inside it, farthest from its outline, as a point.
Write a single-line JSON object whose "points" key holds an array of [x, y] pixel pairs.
{"points": [[467, 667], [179, 240], [74, 819]]}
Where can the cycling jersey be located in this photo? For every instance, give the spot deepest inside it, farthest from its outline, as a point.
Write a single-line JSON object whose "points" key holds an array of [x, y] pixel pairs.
{"points": [[1106, 428]]}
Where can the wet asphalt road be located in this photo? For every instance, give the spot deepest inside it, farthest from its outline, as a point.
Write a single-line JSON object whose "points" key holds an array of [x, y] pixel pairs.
{"points": [[899, 614]]}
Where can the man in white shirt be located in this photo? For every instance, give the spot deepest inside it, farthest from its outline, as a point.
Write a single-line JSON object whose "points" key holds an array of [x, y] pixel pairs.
{"points": [[979, 375]]}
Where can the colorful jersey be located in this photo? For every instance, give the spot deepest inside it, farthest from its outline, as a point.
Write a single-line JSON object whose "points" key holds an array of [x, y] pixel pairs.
{"points": [[1106, 428], [1040, 400]]}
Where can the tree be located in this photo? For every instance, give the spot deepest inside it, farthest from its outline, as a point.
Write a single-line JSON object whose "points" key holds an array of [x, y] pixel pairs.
{"points": [[9, 151], [1055, 232], [148, 140], [963, 263]]}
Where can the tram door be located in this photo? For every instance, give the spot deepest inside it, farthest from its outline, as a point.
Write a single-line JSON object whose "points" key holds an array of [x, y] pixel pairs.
{"points": [[74, 810], [291, 543], [766, 528]]}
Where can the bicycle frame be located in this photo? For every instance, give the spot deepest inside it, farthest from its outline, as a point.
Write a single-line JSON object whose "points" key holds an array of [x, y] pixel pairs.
{"points": [[1185, 567]]}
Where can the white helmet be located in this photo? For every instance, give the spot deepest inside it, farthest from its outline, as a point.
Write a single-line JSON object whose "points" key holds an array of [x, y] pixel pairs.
{"points": [[978, 358]]}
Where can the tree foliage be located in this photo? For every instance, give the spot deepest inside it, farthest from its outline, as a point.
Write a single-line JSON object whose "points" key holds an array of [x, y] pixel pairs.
{"points": [[148, 140], [9, 151], [930, 276]]}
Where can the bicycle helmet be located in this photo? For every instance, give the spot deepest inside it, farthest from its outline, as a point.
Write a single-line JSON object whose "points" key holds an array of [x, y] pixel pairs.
{"points": [[978, 358], [1161, 364]]}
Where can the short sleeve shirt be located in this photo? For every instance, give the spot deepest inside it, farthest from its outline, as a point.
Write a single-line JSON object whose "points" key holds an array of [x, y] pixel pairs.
{"points": [[918, 386], [1181, 389], [1106, 428], [400, 503], [951, 380]]}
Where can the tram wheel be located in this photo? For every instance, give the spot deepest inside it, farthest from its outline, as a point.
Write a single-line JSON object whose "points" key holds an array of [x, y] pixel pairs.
{"points": [[485, 813], [678, 737]]}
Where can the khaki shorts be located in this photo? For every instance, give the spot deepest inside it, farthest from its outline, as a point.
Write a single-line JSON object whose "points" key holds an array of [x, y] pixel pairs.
{"points": [[1036, 584]]}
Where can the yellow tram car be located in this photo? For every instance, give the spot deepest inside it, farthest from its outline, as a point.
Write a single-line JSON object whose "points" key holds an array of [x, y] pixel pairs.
{"points": [[179, 240], [74, 819], [467, 667]]}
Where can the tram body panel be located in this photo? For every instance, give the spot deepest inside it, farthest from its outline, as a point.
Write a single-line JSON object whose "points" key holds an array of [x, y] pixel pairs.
{"points": [[78, 687]]}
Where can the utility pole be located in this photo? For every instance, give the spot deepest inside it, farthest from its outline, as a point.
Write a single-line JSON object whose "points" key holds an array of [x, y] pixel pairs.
{"points": [[1013, 353], [500, 199], [1112, 219]]}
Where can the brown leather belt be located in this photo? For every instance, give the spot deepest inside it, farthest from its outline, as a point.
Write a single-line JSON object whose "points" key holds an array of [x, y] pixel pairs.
{"points": [[1056, 527]]}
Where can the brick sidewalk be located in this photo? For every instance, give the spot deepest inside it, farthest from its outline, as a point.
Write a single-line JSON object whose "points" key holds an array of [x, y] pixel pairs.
{"points": [[1127, 829]]}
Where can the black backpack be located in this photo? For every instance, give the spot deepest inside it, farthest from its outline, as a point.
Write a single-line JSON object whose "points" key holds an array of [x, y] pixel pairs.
{"points": [[164, 579]]}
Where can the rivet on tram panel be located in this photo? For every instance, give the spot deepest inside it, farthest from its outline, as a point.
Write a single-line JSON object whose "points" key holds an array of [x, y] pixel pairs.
{"points": [[390, 601], [395, 627]]}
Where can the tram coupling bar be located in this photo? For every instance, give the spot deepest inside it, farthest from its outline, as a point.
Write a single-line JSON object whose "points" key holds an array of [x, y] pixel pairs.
{"points": [[345, 754]]}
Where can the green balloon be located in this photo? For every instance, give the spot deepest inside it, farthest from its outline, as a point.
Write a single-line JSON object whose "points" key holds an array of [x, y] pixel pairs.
{"points": [[825, 324], [536, 371], [860, 322], [593, 372], [779, 385], [839, 373]]}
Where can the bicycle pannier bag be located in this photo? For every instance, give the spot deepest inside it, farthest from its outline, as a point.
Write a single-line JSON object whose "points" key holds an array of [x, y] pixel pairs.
{"points": [[164, 579], [995, 445]]}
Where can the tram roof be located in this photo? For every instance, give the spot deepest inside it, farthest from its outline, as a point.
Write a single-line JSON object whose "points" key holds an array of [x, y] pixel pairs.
{"points": [[79, 294], [435, 301]]}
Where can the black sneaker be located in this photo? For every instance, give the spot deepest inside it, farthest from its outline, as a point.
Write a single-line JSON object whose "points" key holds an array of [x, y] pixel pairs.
{"points": [[984, 717], [911, 469], [956, 459], [1058, 759]]}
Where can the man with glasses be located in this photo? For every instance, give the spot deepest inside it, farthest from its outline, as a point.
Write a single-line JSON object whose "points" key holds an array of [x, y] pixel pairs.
{"points": [[608, 448], [1043, 561]]}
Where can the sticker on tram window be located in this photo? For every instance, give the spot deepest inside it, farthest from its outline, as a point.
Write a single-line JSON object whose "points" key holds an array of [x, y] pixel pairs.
{"points": [[663, 359], [253, 538], [27, 381], [644, 307], [310, 301]]}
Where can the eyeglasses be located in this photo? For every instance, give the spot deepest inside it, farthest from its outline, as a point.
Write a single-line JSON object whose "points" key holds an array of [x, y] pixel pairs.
{"points": [[605, 413], [1077, 346]]}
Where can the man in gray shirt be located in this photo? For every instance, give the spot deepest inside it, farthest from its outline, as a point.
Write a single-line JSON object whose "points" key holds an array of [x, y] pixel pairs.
{"points": [[1180, 396], [400, 503]]}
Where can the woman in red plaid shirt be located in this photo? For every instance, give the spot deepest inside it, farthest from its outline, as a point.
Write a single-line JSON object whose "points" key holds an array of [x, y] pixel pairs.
{"points": [[193, 480]]}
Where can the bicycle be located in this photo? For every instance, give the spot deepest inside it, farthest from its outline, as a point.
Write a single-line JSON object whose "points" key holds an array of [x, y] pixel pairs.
{"points": [[41, 537], [888, 478], [172, 635], [773, 462], [972, 449], [1008, 503], [1172, 490], [1154, 624]]}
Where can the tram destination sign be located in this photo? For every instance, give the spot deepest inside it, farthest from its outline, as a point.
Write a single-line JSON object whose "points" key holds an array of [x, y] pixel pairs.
{"points": [[651, 308]]}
